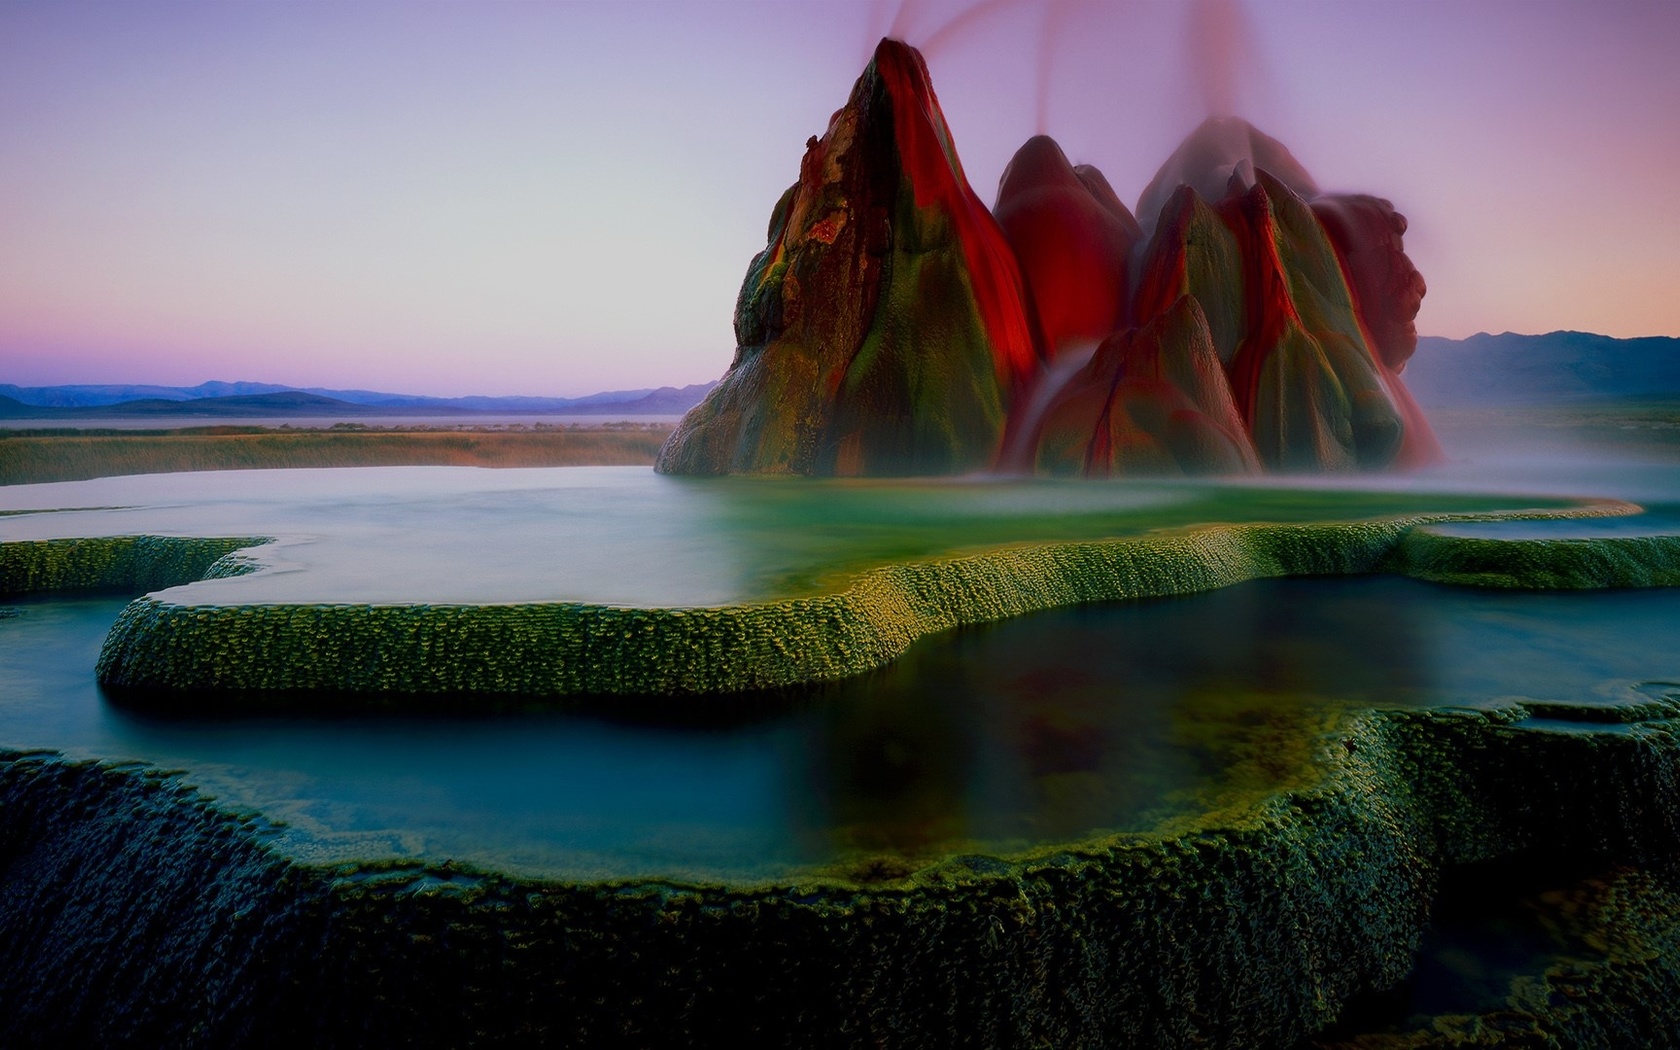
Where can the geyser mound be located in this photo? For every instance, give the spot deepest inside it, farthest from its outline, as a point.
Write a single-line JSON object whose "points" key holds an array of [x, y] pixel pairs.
{"points": [[1241, 321], [1221, 157], [883, 330]]}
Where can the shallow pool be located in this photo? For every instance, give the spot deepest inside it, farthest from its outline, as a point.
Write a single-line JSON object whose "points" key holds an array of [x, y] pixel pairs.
{"points": [[1041, 729], [625, 535]]}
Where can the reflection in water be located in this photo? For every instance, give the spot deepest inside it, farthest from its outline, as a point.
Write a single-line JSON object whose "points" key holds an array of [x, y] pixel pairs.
{"points": [[1106, 717], [1039, 729], [891, 757]]}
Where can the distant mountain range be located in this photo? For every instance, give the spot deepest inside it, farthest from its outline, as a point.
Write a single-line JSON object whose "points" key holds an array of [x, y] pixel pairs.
{"points": [[1506, 369], [216, 399], [1556, 368]]}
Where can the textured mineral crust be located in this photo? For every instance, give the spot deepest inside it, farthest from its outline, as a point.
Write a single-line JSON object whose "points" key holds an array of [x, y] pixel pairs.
{"points": [[1282, 919], [895, 326]]}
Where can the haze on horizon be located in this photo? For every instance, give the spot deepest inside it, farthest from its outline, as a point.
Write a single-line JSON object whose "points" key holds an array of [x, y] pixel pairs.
{"points": [[516, 198]]}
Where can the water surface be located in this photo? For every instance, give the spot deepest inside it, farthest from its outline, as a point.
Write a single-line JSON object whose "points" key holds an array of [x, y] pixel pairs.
{"points": [[625, 535], [1046, 728]]}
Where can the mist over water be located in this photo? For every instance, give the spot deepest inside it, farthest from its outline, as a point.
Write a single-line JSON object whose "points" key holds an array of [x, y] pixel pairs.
{"points": [[624, 535], [1626, 450]]}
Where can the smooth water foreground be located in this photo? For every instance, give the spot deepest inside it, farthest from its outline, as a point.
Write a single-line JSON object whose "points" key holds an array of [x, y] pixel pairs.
{"points": [[1051, 727]]}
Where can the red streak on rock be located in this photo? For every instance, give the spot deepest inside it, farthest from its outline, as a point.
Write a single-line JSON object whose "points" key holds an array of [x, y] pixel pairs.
{"points": [[825, 231], [1152, 400], [1418, 447], [1270, 308], [1272, 314], [930, 161]]}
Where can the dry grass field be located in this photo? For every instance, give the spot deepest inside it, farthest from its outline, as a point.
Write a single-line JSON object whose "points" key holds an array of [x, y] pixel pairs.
{"points": [[28, 456], [1647, 430]]}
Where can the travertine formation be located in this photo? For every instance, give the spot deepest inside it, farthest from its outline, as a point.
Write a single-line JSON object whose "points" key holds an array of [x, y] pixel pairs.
{"points": [[1263, 922], [266, 654], [895, 326]]}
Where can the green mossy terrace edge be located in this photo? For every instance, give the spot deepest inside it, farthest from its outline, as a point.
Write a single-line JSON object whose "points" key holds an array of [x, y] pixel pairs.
{"points": [[1251, 925], [568, 648], [126, 563], [1549, 564]]}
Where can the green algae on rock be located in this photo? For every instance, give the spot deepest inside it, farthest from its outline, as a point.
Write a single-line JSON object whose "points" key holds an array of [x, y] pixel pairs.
{"points": [[1600, 973], [1565, 563], [122, 886], [1299, 881]]}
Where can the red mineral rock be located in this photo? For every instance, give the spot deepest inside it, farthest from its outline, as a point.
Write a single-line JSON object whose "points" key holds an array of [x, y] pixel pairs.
{"points": [[1222, 151], [1306, 382], [893, 326], [1387, 288], [1072, 238], [1194, 253]]}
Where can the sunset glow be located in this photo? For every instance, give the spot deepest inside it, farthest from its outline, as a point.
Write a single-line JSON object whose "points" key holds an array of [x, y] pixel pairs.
{"points": [[500, 198]]}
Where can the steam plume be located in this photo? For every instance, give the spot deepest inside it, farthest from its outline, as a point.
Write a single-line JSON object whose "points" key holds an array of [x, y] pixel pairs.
{"points": [[1220, 43]]}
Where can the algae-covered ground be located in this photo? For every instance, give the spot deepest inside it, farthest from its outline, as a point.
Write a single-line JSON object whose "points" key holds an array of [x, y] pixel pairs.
{"points": [[1335, 805]]}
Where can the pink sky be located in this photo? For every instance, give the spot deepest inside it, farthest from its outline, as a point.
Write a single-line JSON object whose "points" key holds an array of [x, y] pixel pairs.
{"points": [[559, 198]]}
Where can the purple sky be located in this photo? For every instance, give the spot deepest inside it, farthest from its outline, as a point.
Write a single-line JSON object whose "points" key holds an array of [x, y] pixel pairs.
{"points": [[558, 198]]}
